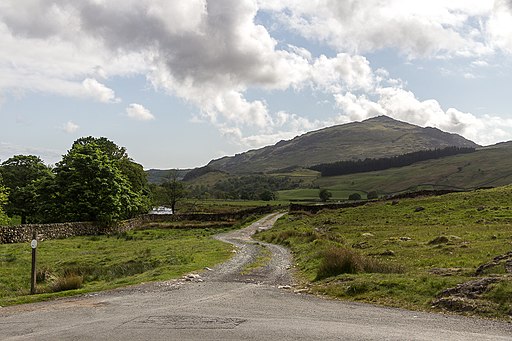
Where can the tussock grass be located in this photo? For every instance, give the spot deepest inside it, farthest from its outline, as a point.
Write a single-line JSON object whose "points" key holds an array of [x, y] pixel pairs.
{"points": [[336, 261], [67, 282]]}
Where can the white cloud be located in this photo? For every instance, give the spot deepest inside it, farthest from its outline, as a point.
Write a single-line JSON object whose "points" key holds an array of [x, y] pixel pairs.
{"points": [[138, 112], [500, 25], [416, 28], [403, 105], [210, 52], [8, 150], [70, 127], [99, 91]]}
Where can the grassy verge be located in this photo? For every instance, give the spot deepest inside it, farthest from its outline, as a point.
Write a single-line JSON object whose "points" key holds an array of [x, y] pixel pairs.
{"points": [[406, 253], [85, 264]]}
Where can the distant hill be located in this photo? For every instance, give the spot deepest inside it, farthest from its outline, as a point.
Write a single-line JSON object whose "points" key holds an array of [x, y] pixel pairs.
{"points": [[157, 176], [487, 167], [373, 138]]}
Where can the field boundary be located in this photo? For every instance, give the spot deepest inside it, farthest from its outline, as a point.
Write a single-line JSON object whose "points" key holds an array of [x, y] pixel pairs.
{"points": [[23, 233]]}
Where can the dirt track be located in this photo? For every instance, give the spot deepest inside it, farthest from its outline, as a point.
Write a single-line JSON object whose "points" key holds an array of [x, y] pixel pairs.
{"points": [[230, 302]]}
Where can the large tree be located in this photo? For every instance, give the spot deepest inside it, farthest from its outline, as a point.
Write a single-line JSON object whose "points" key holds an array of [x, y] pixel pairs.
{"points": [[172, 190], [20, 174], [96, 181]]}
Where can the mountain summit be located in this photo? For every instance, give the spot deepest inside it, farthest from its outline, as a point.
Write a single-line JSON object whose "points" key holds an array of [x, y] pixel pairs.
{"points": [[376, 137]]}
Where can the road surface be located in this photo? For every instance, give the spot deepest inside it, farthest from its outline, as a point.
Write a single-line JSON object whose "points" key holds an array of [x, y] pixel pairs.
{"points": [[231, 302]]}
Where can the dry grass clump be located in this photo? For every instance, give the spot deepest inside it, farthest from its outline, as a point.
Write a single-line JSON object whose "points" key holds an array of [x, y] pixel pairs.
{"points": [[337, 260], [69, 281]]}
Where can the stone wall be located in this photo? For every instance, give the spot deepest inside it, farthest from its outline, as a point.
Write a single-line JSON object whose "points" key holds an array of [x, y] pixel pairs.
{"points": [[23, 233], [319, 207]]}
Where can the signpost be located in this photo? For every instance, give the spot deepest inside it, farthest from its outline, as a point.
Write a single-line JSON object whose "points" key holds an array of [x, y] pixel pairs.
{"points": [[33, 245]]}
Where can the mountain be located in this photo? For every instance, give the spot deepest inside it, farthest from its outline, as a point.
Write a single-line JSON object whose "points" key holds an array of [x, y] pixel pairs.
{"points": [[373, 138]]}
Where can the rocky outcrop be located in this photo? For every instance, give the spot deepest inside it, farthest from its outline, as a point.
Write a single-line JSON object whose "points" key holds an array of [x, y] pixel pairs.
{"points": [[465, 297], [504, 260]]}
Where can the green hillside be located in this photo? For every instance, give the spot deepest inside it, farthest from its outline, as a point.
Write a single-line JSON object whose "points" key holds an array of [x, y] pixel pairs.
{"points": [[490, 166], [373, 138]]}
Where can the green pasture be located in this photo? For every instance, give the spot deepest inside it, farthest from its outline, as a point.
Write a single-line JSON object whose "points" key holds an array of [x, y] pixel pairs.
{"points": [[404, 253], [86, 264]]}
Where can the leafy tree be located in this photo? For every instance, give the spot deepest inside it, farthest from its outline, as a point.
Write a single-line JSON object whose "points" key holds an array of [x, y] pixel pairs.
{"points": [[372, 195], [132, 171], [91, 184], [268, 195], [172, 191], [20, 174], [324, 194], [354, 196]]}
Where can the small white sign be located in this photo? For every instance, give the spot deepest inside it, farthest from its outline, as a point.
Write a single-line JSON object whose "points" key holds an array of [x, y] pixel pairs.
{"points": [[33, 243]]}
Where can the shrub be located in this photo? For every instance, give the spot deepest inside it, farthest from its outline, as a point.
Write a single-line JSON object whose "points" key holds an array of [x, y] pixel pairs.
{"points": [[354, 196]]}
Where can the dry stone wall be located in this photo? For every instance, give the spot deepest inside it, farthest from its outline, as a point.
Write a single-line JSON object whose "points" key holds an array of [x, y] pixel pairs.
{"points": [[23, 233]]}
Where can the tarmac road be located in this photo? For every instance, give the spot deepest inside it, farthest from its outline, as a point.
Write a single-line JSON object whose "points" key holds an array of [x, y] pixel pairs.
{"points": [[226, 303]]}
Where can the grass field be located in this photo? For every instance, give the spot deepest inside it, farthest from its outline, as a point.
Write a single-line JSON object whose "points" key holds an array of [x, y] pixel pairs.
{"points": [[311, 194], [84, 264], [405, 254], [223, 205]]}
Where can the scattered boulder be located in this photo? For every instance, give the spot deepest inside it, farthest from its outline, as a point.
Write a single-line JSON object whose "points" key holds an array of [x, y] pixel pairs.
{"points": [[361, 245], [405, 239], [368, 235], [439, 240], [419, 209], [446, 271], [193, 278], [390, 253]]}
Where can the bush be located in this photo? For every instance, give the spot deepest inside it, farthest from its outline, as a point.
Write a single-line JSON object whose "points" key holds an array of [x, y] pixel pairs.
{"points": [[354, 196], [372, 195], [324, 195]]}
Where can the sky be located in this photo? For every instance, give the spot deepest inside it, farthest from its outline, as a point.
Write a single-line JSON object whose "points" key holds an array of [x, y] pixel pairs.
{"points": [[179, 83]]}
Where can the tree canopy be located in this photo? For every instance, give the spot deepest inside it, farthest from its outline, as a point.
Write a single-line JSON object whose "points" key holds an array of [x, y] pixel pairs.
{"points": [[97, 181], [94, 181], [20, 175]]}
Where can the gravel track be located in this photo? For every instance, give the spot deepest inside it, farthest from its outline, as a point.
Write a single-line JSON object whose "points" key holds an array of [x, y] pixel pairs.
{"points": [[276, 272]]}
